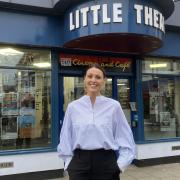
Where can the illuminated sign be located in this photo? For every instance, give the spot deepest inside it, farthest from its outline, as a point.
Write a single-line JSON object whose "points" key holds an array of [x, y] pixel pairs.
{"points": [[71, 60]]}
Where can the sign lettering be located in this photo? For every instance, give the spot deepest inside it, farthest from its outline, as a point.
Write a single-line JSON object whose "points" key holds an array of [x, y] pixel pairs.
{"points": [[123, 64], [143, 15]]}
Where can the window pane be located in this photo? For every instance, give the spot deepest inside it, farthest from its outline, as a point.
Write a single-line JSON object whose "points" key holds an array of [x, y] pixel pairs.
{"points": [[73, 89], [124, 97], [25, 120], [161, 99], [161, 66], [107, 90], [18, 57]]}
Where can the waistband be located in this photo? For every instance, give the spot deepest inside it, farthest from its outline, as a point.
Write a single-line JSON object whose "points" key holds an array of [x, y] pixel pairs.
{"points": [[94, 150]]}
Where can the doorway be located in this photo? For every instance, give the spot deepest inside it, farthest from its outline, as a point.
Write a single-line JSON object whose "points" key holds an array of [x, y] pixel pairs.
{"points": [[118, 88]]}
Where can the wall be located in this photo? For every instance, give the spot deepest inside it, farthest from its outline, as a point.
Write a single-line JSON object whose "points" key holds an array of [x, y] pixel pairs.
{"points": [[25, 163], [24, 28]]}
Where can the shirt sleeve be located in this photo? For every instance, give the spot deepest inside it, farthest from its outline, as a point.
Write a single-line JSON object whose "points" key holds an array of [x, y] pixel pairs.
{"points": [[124, 139], [64, 148]]}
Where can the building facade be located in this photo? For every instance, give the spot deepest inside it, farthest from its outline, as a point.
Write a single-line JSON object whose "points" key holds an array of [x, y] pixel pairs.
{"points": [[44, 49]]}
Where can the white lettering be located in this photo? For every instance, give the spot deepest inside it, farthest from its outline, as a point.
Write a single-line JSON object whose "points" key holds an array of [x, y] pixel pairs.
{"points": [[106, 19], [72, 26], [113, 13], [161, 21], [148, 13], [95, 10], [84, 12], [156, 18], [138, 9], [77, 19], [117, 12]]}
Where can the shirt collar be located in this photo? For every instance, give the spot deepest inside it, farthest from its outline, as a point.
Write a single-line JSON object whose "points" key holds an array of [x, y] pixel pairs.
{"points": [[98, 98]]}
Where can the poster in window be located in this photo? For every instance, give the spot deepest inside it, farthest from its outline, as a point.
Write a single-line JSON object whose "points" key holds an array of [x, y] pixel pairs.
{"points": [[9, 128], [10, 104], [165, 124], [26, 124], [153, 102], [27, 104]]}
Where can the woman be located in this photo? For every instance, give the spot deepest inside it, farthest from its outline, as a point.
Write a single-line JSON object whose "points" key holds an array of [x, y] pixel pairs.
{"points": [[96, 142]]}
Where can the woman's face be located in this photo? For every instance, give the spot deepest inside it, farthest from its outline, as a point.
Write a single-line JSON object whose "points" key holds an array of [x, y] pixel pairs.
{"points": [[94, 81]]}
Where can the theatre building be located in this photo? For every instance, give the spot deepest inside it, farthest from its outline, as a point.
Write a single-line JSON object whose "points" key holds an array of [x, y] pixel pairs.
{"points": [[45, 47]]}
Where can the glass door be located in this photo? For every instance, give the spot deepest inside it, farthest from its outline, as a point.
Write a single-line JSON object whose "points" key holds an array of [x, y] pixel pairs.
{"points": [[116, 88], [123, 96], [73, 89]]}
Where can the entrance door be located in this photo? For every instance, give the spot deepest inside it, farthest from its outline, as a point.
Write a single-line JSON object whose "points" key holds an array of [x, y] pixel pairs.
{"points": [[123, 96], [116, 88]]}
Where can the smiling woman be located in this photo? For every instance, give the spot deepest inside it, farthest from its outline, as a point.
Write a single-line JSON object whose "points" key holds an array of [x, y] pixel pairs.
{"points": [[95, 129], [94, 81]]}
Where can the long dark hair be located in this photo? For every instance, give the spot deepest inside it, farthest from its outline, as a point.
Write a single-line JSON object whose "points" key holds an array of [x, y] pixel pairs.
{"points": [[95, 65]]}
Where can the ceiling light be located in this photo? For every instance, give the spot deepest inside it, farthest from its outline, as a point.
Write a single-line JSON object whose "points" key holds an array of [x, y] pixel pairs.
{"points": [[10, 52], [42, 64], [158, 65], [121, 84]]}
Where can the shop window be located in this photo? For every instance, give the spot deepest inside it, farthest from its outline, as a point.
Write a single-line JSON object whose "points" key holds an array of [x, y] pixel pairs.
{"points": [[25, 81], [161, 66], [161, 100]]}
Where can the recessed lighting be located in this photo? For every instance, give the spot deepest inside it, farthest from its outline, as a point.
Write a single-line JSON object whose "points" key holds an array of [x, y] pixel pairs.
{"points": [[158, 65], [10, 52], [121, 84], [42, 64]]}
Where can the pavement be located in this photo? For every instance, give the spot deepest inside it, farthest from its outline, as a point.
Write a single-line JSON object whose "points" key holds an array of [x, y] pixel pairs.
{"points": [[158, 172]]}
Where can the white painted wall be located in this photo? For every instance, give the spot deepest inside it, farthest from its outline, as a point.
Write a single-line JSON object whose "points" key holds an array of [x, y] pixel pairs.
{"points": [[157, 150], [31, 163]]}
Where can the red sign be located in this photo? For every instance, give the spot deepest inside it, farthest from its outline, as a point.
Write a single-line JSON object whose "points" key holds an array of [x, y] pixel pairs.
{"points": [[71, 60]]}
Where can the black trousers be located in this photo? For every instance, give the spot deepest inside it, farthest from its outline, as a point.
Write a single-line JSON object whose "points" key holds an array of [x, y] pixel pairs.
{"points": [[93, 165]]}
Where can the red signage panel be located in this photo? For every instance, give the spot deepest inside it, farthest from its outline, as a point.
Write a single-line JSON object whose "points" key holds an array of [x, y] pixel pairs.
{"points": [[73, 60]]}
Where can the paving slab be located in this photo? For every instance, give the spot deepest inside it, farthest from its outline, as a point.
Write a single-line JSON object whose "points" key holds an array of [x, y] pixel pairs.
{"points": [[159, 172]]}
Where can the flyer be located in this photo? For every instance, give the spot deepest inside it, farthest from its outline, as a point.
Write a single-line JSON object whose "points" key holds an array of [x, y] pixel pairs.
{"points": [[10, 104], [9, 128]]}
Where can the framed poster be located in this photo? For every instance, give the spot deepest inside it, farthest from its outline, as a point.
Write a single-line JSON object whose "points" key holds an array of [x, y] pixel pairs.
{"points": [[165, 118], [10, 104], [9, 128]]}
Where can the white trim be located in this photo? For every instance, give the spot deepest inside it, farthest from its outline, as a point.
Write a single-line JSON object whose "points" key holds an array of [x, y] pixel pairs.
{"points": [[31, 163], [157, 150]]}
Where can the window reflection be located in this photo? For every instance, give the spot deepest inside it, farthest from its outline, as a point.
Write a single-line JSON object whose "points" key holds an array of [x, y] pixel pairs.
{"points": [[161, 107], [124, 97], [73, 89], [161, 66], [25, 120]]}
